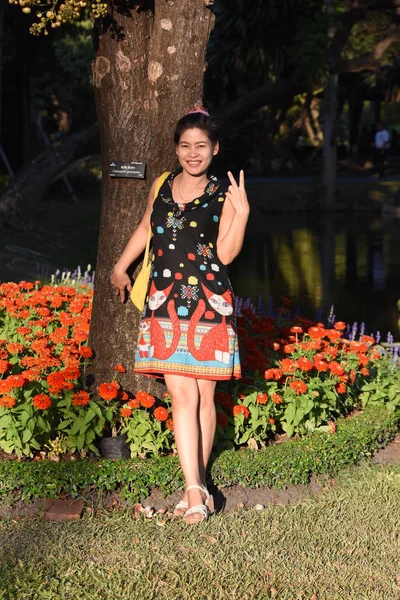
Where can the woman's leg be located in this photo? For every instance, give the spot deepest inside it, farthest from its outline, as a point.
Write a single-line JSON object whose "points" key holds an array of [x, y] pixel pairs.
{"points": [[185, 399], [208, 419]]}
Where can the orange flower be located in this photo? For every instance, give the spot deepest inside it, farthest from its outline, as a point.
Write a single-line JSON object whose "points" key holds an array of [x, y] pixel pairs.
{"points": [[364, 372], [126, 412], [8, 401], [336, 368], [4, 366], [160, 413], [275, 374], [261, 398], [80, 398], [320, 365], [123, 396], [288, 348], [288, 365], [170, 424], [316, 332], [353, 375], [42, 401], [134, 403], [85, 352], [108, 391], [146, 400], [240, 409], [305, 364], [296, 329], [271, 421], [120, 369], [340, 388], [276, 398], [14, 348], [298, 386], [340, 325]]}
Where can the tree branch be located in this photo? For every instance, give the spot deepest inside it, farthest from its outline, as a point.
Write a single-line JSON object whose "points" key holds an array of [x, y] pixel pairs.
{"points": [[369, 61]]}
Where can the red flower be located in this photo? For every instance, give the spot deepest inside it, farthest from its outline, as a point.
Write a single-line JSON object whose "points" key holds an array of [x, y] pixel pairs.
{"points": [[108, 391], [340, 388], [364, 372], [305, 364], [14, 348], [240, 409], [170, 424], [120, 369], [316, 332], [42, 401], [289, 348], [275, 374], [134, 403], [336, 368], [85, 352], [271, 421], [320, 365], [339, 325], [222, 419], [276, 398], [145, 399], [298, 386], [161, 413], [8, 401], [296, 329], [80, 398], [262, 398], [288, 365], [126, 412]]}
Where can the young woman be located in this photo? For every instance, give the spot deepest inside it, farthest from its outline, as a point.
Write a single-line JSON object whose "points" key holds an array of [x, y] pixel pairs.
{"points": [[187, 330]]}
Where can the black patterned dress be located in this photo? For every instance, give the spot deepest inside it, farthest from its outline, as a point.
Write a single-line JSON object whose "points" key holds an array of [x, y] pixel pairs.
{"points": [[188, 323]]}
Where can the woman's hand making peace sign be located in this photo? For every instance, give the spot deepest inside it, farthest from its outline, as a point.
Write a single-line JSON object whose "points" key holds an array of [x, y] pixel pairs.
{"points": [[237, 194]]}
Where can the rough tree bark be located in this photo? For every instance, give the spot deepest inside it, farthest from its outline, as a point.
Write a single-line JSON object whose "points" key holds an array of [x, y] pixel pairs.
{"points": [[143, 84]]}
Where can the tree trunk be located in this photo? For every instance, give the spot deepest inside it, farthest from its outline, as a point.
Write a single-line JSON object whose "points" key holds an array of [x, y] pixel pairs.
{"points": [[19, 201], [143, 84]]}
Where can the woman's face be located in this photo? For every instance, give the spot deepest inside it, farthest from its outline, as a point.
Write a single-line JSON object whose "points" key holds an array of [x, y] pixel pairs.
{"points": [[195, 151]]}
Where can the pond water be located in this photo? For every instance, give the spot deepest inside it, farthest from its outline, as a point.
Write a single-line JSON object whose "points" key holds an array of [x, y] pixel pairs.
{"points": [[348, 261]]}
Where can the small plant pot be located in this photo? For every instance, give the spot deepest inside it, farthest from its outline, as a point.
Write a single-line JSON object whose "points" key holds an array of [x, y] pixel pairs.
{"points": [[114, 447]]}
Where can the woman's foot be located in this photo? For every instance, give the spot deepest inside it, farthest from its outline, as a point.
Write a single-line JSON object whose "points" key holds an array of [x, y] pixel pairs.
{"points": [[182, 506], [198, 501]]}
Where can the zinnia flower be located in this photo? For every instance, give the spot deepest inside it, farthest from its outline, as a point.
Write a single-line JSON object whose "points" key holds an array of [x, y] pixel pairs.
{"points": [[160, 413], [42, 401], [170, 424], [8, 401], [241, 409], [262, 398], [271, 421], [340, 388], [304, 364], [276, 398], [126, 412], [296, 329], [108, 391], [339, 325], [146, 400], [80, 398], [134, 403], [85, 352], [120, 369], [275, 374], [298, 386]]}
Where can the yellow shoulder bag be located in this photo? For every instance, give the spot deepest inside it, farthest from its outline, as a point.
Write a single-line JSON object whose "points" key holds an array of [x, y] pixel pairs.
{"points": [[139, 288]]}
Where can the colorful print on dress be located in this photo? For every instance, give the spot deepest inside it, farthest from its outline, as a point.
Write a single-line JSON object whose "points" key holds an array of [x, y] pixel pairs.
{"points": [[158, 344]]}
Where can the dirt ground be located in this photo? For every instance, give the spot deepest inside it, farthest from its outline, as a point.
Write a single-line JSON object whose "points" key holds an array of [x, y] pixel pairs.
{"points": [[225, 499]]}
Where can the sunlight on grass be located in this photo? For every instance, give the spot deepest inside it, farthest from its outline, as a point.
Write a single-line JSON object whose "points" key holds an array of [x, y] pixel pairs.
{"points": [[342, 544]]}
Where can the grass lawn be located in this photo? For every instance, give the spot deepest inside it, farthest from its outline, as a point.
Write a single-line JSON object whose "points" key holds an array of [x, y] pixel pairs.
{"points": [[342, 544]]}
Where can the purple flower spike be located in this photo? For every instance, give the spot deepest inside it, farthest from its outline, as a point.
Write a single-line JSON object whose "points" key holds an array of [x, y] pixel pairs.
{"points": [[378, 337]]}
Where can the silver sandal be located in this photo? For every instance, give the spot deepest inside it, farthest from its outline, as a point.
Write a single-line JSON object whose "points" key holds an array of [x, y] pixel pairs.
{"points": [[204, 510]]}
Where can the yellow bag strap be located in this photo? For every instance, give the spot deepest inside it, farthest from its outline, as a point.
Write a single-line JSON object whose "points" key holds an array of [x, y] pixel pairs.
{"points": [[160, 181]]}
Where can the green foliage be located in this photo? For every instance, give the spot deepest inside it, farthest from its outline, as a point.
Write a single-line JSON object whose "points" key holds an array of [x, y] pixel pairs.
{"points": [[279, 465], [384, 388]]}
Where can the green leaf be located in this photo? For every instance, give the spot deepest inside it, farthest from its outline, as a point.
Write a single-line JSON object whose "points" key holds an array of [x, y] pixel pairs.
{"points": [[290, 413]]}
